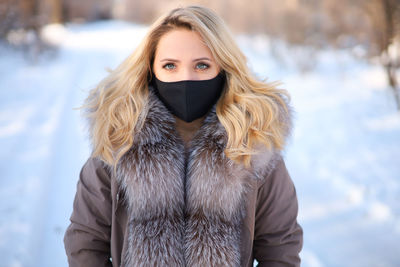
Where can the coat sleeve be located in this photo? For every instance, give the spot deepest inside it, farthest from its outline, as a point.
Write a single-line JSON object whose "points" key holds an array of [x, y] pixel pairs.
{"points": [[278, 238], [87, 238]]}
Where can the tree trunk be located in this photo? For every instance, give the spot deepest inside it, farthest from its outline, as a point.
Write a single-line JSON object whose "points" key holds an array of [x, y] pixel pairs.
{"points": [[394, 85], [56, 11], [391, 8]]}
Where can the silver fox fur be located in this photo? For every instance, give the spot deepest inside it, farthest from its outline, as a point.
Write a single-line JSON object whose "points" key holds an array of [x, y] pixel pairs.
{"points": [[185, 211]]}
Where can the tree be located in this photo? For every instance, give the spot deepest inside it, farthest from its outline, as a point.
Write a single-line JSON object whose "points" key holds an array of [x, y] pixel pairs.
{"points": [[385, 18]]}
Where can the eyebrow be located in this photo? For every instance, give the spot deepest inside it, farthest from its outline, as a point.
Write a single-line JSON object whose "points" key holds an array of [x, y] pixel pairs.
{"points": [[176, 60]]}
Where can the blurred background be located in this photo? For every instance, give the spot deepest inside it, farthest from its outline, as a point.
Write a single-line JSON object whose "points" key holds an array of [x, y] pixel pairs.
{"points": [[339, 60]]}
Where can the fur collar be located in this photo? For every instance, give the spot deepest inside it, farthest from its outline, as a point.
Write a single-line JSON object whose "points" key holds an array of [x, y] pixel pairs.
{"points": [[184, 212]]}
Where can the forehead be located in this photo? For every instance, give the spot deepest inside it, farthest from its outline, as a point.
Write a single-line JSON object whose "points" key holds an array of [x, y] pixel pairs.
{"points": [[182, 43]]}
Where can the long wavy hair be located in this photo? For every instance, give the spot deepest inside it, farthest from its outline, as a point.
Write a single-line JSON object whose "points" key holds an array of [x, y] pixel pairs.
{"points": [[251, 111]]}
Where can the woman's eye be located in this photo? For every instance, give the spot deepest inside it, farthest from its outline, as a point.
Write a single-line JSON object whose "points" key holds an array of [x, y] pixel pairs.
{"points": [[202, 66], [169, 66]]}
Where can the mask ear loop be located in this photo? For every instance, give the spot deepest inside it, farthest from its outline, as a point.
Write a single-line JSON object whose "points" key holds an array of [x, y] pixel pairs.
{"points": [[150, 73], [222, 73], [150, 80]]}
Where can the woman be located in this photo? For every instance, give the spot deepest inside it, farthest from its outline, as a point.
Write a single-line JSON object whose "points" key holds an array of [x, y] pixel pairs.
{"points": [[186, 167]]}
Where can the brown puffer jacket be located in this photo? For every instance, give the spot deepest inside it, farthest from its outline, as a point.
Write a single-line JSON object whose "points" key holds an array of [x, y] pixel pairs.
{"points": [[162, 209]]}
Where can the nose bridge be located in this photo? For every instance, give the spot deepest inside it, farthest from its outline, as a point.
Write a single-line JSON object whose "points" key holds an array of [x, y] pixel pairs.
{"points": [[188, 73]]}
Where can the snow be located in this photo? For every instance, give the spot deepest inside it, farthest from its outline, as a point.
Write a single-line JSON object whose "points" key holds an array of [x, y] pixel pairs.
{"points": [[343, 155]]}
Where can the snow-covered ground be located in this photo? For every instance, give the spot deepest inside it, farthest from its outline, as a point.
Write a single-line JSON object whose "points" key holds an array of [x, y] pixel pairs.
{"points": [[344, 154]]}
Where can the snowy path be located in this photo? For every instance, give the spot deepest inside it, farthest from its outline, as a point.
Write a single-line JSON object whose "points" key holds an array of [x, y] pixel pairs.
{"points": [[344, 155]]}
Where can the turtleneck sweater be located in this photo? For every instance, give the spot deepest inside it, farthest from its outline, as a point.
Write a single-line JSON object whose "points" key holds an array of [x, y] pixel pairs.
{"points": [[187, 130]]}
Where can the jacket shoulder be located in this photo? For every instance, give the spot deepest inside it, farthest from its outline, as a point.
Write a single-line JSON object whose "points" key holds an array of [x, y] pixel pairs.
{"points": [[98, 168]]}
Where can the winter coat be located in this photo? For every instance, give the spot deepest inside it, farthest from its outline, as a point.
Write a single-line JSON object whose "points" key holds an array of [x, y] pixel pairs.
{"points": [[162, 208]]}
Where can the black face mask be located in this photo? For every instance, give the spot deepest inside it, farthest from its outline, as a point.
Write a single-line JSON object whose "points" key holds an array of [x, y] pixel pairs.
{"points": [[189, 99]]}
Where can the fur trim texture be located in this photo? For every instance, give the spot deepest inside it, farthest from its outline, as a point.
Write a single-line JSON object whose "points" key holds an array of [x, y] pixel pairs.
{"points": [[184, 212]]}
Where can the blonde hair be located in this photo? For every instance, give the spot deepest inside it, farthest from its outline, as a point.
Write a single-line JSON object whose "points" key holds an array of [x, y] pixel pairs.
{"points": [[250, 110]]}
